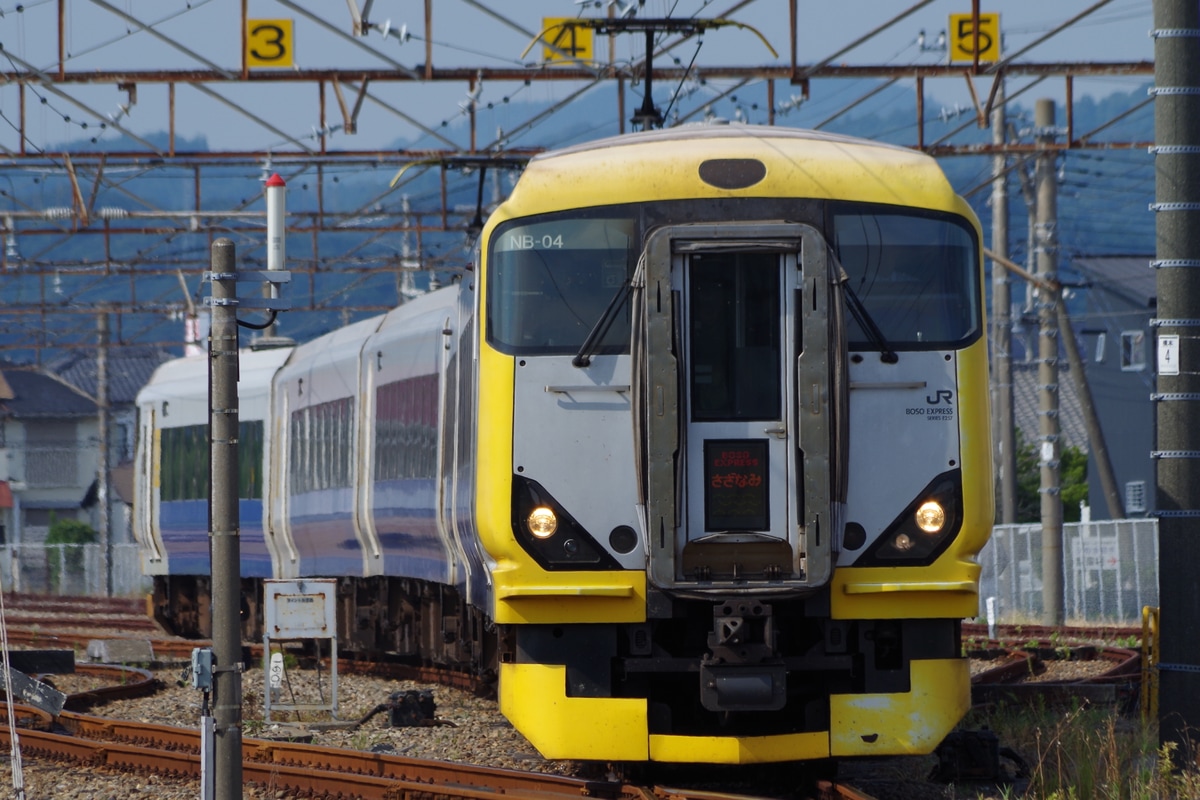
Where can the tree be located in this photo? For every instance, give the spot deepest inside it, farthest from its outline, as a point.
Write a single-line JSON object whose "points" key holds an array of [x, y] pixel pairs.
{"points": [[1073, 486], [70, 533]]}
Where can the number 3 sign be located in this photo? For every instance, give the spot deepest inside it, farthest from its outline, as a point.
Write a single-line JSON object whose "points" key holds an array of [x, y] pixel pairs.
{"points": [[269, 43]]}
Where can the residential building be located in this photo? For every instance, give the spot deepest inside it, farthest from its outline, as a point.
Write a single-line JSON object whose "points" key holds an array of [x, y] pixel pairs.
{"points": [[48, 435], [50, 448], [127, 370], [1118, 343]]}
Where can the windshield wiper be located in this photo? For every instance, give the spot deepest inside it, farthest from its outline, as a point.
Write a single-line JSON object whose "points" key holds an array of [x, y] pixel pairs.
{"points": [[586, 350], [865, 321]]}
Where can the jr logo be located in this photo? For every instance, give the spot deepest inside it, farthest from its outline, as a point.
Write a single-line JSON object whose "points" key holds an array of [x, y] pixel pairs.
{"points": [[942, 396]]}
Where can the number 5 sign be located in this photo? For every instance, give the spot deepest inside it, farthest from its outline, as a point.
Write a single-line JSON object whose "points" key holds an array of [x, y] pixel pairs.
{"points": [[963, 42], [269, 43]]}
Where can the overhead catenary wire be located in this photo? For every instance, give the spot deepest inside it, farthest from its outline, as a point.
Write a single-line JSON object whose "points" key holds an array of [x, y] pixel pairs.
{"points": [[149, 253]]}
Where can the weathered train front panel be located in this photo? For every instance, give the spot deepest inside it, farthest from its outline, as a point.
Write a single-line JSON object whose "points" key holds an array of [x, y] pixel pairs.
{"points": [[748, 461]]}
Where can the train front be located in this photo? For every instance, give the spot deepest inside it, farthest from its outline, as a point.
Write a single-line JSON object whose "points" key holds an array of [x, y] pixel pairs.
{"points": [[733, 464]]}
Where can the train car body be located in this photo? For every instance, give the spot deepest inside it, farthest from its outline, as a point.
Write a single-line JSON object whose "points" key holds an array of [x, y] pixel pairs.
{"points": [[171, 494], [737, 517], [696, 457]]}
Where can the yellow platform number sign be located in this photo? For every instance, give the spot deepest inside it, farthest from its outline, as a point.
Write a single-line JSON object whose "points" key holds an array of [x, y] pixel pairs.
{"points": [[564, 41], [966, 39], [269, 43]]}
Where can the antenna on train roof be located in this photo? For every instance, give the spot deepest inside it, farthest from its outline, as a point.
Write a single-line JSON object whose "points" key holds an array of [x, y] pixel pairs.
{"points": [[648, 116]]}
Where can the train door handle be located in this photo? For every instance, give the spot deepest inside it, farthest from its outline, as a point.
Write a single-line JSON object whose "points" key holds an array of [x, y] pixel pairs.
{"points": [[778, 431]]}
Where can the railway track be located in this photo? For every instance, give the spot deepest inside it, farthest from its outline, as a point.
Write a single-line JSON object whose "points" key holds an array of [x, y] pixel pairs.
{"points": [[172, 650], [314, 771], [295, 768], [83, 613], [1054, 675], [309, 770], [1110, 665], [1015, 633]]}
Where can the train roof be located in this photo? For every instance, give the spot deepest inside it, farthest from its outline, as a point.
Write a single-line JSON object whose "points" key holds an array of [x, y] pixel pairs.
{"points": [[187, 377], [338, 340], [665, 164], [437, 300], [711, 131]]}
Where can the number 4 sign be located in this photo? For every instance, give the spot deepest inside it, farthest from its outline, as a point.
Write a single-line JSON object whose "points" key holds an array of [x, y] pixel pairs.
{"points": [[966, 40], [1168, 355]]}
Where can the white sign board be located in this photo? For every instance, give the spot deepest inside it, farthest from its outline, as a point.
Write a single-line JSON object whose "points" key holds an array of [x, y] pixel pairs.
{"points": [[300, 609], [1168, 355]]}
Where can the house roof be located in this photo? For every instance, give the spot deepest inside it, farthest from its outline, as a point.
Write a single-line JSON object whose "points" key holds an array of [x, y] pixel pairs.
{"points": [[1129, 276], [39, 394], [128, 370], [1072, 430]]}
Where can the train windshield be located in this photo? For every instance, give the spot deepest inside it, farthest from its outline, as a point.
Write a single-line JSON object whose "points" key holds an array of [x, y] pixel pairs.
{"points": [[916, 275], [549, 282]]}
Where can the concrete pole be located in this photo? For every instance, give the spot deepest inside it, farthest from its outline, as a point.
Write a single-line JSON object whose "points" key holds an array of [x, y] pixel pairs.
{"points": [[1091, 422], [224, 534], [102, 493], [1049, 446], [1177, 397], [1095, 433], [1004, 435], [1030, 196]]}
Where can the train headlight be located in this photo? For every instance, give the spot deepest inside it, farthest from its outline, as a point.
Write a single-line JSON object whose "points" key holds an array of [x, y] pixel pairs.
{"points": [[923, 529], [545, 530], [542, 522], [930, 516]]}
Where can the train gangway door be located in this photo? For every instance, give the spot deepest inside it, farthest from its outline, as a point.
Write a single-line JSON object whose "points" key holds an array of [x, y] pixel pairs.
{"points": [[733, 388], [299, 610]]}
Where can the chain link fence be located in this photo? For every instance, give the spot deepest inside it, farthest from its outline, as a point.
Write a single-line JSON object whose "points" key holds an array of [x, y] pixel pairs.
{"points": [[72, 570], [1110, 571]]}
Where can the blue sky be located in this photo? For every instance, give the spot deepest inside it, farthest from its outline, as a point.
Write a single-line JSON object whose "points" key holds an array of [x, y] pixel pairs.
{"points": [[105, 35]]}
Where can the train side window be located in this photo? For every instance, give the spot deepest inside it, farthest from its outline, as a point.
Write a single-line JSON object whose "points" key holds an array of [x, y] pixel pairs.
{"points": [[320, 456], [406, 429], [184, 463]]}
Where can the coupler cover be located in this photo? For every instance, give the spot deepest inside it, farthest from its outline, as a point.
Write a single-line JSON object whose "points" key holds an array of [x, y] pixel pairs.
{"points": [[743, 687]]}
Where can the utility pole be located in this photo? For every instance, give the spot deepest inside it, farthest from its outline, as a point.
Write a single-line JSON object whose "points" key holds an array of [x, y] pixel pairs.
{"points": [[1095, 433], [1091, 422], [102, 478], [1049, 446], [224, 533], [1177, 392], [1004, 436]]}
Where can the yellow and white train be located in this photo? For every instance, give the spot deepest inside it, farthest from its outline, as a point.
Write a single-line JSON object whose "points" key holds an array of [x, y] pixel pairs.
{"points": [[696, 458]]}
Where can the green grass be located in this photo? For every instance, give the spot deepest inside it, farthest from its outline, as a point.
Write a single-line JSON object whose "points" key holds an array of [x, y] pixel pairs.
{"points": [[1085, 753]]}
